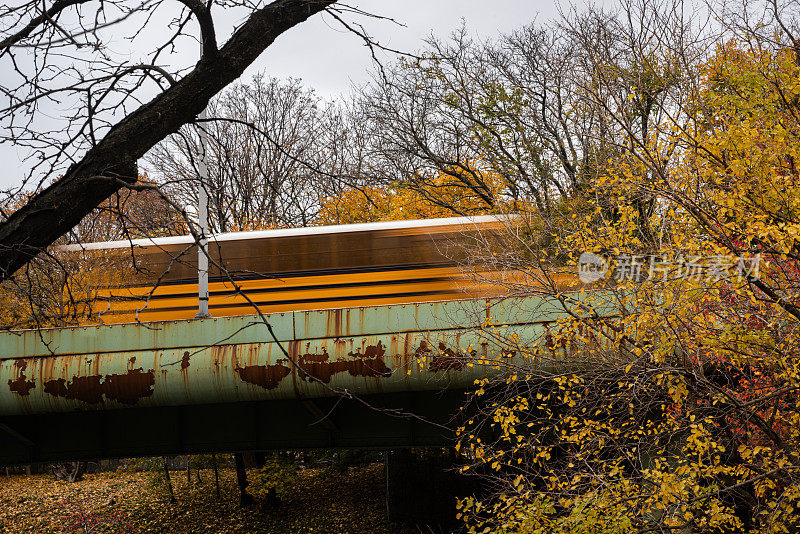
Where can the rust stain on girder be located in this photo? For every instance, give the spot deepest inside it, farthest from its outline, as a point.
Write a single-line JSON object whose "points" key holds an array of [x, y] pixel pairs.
{"points": [[372, 352], [21, 386], [423, 349], [126, 388], [333, 323], [83, 388], [446, 360], [266, 376], [130, 387], [319, 367]]}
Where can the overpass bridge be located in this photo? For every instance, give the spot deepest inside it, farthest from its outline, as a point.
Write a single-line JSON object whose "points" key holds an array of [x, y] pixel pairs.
{"points": [[371, 376]]}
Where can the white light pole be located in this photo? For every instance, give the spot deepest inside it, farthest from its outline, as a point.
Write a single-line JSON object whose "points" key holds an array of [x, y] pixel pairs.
{"points": [[202, 214]]}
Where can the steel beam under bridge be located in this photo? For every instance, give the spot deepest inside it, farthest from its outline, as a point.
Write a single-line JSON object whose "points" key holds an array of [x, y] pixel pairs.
{"points": [[225, 384]]}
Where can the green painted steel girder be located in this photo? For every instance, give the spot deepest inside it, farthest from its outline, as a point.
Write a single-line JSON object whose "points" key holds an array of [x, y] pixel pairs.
{"points": [[85, 391], [380, 349]]}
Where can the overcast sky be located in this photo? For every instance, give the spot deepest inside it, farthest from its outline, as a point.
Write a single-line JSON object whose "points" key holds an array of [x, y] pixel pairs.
{"points": [[330, 59]]}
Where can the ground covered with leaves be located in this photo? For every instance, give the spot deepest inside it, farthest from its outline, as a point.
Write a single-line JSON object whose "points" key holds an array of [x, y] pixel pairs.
{"points": [[316, 501]]}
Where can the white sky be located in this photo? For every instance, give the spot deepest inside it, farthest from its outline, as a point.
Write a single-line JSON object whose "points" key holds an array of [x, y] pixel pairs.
{"points": [[329, 59]]}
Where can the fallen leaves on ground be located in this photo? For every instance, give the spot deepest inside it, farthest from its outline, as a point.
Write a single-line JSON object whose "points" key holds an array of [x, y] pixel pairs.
{"points": [[315, 502]]}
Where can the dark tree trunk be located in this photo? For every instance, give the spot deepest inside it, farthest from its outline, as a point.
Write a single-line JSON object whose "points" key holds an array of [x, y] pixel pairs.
{"points": [[111, 164], [245, 499], [216, 473], [172, 499], [272, 498]]}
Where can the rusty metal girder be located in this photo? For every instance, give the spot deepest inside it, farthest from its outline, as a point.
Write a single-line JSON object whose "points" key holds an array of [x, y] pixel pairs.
{"points": [[382, 349]]}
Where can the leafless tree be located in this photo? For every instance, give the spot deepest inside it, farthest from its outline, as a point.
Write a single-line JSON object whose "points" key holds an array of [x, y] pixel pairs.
{"points": [[528, 118], [270, 155]]}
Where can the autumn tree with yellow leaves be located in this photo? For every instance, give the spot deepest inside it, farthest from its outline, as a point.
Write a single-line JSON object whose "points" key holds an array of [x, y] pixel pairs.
{"points": [[441, 196], [666, 397]]}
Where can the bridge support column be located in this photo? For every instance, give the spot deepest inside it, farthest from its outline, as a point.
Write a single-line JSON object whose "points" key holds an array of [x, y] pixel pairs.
{"points": [[422, 487]]}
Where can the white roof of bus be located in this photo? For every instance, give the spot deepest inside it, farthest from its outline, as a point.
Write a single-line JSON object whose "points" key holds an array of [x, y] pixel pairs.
{"points": [[308, 230]]}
